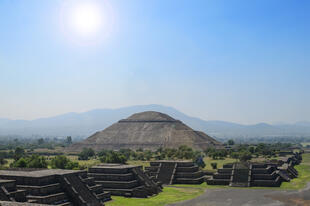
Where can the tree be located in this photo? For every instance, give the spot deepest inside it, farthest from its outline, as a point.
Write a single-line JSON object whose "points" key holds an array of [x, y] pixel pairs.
{"points": [[2, 161], [40, 141], [214, 165], [245, 156], [231, 142], [185, 152], [234, 155], [19, 152], [69, 140], [114, 157], [36, 161], [20, 163], [86, 154], [62, 162], [252, 150]]}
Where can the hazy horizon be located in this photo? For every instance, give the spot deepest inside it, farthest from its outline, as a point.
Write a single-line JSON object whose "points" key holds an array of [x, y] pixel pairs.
{"points": [[81, 112], [238, 61]]}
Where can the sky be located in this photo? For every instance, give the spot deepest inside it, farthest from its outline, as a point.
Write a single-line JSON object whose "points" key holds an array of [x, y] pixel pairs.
{"points": [[232, 60]]}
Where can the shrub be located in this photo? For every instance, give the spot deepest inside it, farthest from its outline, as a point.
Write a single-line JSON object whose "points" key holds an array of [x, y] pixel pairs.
{"points": [[21, 163], [214, 165], [114, 157], [62, 162], [86, 154], [199, 161], [245, 156], [19, 152], [36, 161]]}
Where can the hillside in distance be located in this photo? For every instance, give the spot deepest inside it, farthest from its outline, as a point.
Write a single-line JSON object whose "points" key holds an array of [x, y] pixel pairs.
{"points": [[86, 123]]}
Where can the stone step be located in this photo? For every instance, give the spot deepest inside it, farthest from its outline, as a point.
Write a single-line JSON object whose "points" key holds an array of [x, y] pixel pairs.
{"points": [[112, 177], [65, 204], [88, 180], [41, 190], [189, 174], [49, 199], [118, 184], [189, 180], [98, 188], [18, 195], [218, 181], [123, 192], [187, 169], [105, 196]]}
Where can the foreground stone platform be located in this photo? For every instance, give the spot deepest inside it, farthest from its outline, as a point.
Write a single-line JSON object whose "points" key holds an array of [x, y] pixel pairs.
{"points": [[124, 180], [175, 172], [52, 187], [6, 203], [270, 174]]}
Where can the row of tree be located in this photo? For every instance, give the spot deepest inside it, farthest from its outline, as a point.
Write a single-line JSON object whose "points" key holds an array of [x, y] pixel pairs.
{"points": [[23, 160]]}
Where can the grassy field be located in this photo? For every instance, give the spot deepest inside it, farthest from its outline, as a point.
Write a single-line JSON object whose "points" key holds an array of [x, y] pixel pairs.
{"points": [[85, 163], [305, 144], [169, 195], [220, 163], [303, 175], [136, 162]]}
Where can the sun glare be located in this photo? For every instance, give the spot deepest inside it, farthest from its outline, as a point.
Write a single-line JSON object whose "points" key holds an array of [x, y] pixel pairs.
{"points": [[87, 22], [86, 19]]}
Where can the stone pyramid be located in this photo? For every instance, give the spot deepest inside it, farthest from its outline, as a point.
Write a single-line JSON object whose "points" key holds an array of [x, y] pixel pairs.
{"points": [[147, 130]]}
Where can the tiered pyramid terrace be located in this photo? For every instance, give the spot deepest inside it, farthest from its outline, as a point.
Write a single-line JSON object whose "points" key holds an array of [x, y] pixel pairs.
{"points": [[56, 187], [175, 172], [257, 174], [124, 180], [148, 130]]}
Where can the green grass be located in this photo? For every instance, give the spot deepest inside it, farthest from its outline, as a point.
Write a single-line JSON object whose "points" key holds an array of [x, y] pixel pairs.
{"points": [[305, 144], [219, 162], [138, 162], [86, 163], [295, 184], [301, 181], [303, 175], [168, 196]]}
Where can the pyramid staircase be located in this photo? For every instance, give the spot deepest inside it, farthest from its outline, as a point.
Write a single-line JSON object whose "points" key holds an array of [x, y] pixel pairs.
{"points": [[241, 175], [175, 172], [124, 180], [252, 174], [58, 187], [9, 191]]}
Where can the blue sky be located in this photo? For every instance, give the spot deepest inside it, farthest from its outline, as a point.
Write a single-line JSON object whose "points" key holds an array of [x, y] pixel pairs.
{"points": [[234, 60]]}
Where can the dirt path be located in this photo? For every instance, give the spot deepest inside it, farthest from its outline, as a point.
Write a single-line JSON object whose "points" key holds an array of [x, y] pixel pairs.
{"points": [[250, 197]]}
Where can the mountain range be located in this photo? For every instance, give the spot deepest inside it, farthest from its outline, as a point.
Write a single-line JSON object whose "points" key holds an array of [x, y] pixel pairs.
{"points": [[84, 124]]}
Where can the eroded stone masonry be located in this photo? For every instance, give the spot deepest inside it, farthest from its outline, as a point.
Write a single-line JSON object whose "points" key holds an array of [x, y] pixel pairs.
{"points": [[51, 187], [175, 172], [124, 180], [247, 174]]}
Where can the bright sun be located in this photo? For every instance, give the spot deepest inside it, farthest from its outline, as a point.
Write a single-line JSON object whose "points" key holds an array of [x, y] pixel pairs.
{"points": [[86, 19]]}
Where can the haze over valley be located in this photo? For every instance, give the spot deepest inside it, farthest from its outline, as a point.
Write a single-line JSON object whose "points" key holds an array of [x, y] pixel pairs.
{"points": [[84, 124]]}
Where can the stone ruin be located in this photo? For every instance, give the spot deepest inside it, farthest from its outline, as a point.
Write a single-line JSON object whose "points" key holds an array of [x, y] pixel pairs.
{"points": [[124, 180], [175, 172], [9, 191], [51, 187], [270, 174], [147, 130], [7, 203]]}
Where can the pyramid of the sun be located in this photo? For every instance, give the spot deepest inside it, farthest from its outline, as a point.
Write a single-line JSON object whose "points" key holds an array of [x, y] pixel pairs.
{"points": [[147, 130]]}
